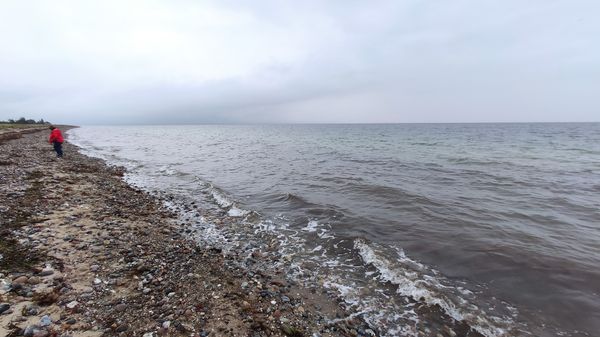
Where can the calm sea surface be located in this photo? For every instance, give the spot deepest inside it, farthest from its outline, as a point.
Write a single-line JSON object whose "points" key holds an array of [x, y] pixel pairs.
{"points": [[494, 224]]}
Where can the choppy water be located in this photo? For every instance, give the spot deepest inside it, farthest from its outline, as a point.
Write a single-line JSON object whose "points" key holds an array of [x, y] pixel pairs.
{"points": [[497, 225]]}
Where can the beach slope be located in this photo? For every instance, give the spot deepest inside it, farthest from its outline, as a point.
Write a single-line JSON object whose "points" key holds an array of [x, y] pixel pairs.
{"points": [[84, 254]]}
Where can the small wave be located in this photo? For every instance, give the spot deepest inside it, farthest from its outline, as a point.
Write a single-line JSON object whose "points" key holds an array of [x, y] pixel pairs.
{"points": [[227, 203], [166, 170], [473, 161], [294, 200], [220, 197], [428, 289], [425, 143]]}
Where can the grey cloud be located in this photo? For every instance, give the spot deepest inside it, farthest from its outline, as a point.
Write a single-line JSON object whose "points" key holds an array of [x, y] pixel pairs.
{"points": [[386, 61]]}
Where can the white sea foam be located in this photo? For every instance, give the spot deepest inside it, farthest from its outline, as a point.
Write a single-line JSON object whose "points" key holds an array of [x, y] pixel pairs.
{"points": [[312, 226], [225, 202], [324, 234], [428, 289], [220, 198], [237, 212]]}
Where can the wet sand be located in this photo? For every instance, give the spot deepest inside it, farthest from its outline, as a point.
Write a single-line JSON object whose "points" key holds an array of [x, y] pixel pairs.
{"points": [[85, 254]]}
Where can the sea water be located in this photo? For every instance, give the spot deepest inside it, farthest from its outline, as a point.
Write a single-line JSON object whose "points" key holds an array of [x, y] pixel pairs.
{"points": [[496, 225]]}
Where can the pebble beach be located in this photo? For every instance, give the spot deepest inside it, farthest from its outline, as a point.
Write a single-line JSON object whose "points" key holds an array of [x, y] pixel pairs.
{"points": [[85, 254]]}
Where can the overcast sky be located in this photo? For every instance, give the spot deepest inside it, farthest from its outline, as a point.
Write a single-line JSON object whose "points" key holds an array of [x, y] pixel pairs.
{"points": [[192, 61]]}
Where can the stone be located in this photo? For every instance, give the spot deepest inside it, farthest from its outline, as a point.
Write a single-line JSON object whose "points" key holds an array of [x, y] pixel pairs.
{"points": [[70, 321], [120, 307], [45, 321], [47, 272], [122, 328], [166, 324], [4, 307], [34, 280], [20, 280], [30, 310], [94, 267], [30, 330], [72, 304]]}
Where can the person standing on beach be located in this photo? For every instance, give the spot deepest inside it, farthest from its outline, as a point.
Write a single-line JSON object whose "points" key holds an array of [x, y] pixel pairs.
{"points": [[56, 139]]}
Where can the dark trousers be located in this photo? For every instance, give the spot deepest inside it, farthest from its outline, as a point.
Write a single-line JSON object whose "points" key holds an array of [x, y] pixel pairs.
{"points": [[58, 149]]}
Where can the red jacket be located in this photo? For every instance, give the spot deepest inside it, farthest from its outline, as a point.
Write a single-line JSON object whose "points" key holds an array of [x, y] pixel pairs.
{"points": [[56, 136]]}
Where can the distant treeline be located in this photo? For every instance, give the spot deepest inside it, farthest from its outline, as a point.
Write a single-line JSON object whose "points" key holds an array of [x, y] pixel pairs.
{"points": [[22, 120]]}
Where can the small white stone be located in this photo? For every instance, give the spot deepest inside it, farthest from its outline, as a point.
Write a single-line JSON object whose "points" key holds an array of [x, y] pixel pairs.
{"points": [[72, 304]]}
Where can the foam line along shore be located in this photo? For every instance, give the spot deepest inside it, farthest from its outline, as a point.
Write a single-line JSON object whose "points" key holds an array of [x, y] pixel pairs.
{"points": [[86, 254], [414, 226]]}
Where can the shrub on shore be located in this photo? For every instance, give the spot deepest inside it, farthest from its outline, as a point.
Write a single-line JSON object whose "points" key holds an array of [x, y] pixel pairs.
{"points": [[25, 121]]}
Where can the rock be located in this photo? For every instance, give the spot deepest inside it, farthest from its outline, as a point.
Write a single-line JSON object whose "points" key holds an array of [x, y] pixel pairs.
{"points": [[41, 333], [290, 331], [166, 324], [46, 271], [120, 307], [20, 280], [285, 299], [30, 310], [72, 304], [146, 290], [34, 280], [46, 297], [148, 334], [45, 321], [97, 281], [122, 328], [94, 268], [30, 330], [4, 307], [70, 321]]}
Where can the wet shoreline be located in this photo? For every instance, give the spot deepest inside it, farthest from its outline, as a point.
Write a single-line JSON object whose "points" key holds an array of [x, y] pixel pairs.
{"points": [[106, 259]]}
